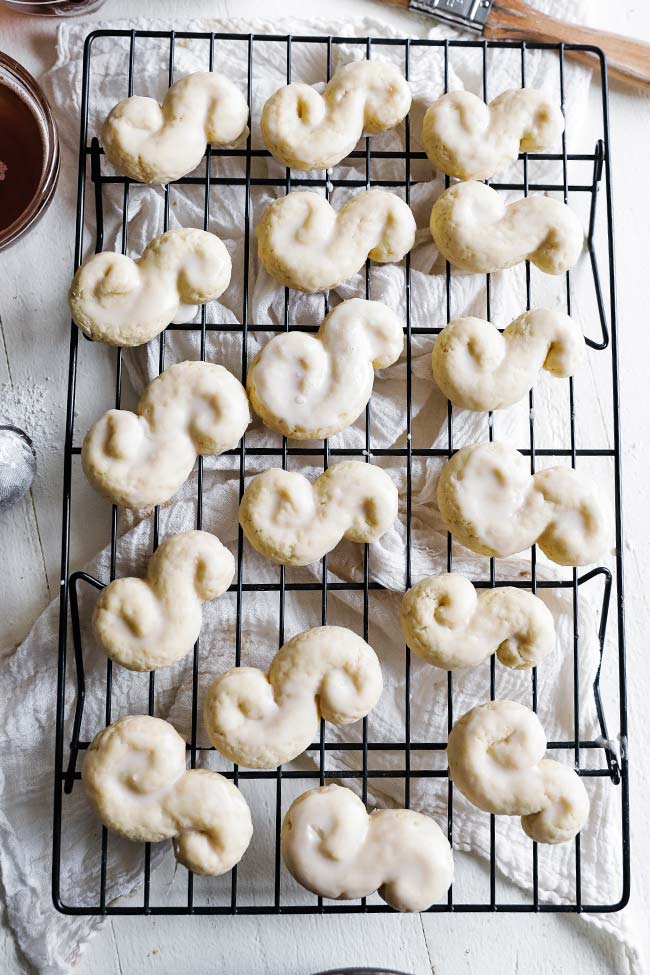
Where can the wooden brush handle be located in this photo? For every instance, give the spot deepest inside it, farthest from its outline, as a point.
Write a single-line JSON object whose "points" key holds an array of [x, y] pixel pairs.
{"points": [[627, 60]]}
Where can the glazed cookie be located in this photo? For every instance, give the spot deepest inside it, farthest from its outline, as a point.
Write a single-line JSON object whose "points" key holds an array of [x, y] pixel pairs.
{"points": [[307, 130], [480, 368], [304, 243], [138, 784], [476, 231], [117, 300], [496, 758], [156, 145], [334, 848], [142, 458], [264, 720], [445, 623], [147, 623], [312, 386], [492, 504], [465, 138], [291, 521]]}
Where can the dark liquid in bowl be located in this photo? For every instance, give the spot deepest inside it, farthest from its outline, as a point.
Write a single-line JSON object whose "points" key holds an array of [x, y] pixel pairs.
{"points": [[21, 156]]}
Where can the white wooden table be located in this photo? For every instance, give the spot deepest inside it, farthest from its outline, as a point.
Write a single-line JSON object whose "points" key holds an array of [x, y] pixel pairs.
{"points": [[33, 355]]}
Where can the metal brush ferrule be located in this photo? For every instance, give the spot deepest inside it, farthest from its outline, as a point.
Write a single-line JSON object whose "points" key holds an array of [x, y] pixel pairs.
{"points": [[466, 14]]}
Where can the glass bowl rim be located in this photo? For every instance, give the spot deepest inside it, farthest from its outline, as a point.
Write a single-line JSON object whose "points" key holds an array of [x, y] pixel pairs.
{"points": [[32, 3], [51, 162]]}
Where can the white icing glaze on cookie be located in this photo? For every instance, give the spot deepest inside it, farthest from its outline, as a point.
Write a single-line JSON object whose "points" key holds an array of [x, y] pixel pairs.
{"points": [[137, 782], [156, 145], [466, 138], [480, 368], [264, 720], [448, 624], [496, 759], [147, 623], [291, 521], [334, 848], [312, 386], [117, 300], [304, 243], [476, 231], [142, 458], [307, 130], [492, 504]]}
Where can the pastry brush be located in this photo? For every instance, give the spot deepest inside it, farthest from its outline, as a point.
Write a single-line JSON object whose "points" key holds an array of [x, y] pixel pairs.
{"points": [[628, 60]]}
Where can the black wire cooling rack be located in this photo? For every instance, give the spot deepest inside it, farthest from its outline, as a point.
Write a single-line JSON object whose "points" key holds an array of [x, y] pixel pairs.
{"points": [[592, 758]]}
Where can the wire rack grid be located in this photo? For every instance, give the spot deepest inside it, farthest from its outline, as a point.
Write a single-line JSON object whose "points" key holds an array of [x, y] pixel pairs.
{"points": [[613, 766]]}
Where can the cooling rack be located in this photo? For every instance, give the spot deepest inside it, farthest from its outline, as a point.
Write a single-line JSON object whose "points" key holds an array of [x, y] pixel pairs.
{"points": [[603, 757]]}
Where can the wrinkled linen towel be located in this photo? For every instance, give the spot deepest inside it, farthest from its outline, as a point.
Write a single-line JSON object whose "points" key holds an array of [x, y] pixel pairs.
{"points": [[51, 941]]}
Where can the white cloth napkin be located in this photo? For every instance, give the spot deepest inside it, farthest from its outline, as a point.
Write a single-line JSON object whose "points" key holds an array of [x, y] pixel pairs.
{"points": [[51, 941]]}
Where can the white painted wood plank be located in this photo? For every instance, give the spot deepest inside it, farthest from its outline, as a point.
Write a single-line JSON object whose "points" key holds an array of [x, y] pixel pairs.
{"points": [[269, 945], [23, 584], [630, 125], [35, 328]]}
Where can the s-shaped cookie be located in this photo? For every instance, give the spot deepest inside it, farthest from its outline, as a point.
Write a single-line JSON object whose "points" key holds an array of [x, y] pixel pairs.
{"points": [[147, 623], [264, 720], [304, 243], [137, 782], [291, 521], [476, 231], [492, 504], [466, 138], [307, 130], [311, 387], [334, 848], [117, 300], [142, 458], [156, 145], [480, 368], [447, 624], [496, 759]]}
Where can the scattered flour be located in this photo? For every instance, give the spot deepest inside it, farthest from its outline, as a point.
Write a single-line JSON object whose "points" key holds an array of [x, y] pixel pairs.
{"points": [[28, 406]]}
